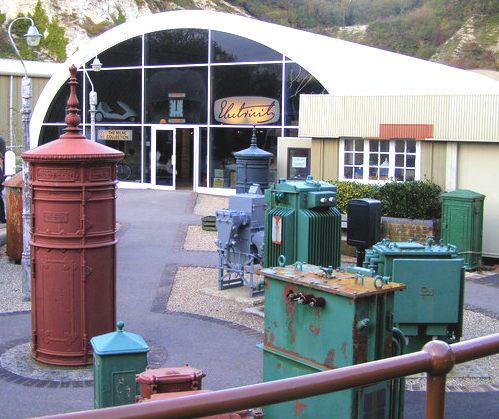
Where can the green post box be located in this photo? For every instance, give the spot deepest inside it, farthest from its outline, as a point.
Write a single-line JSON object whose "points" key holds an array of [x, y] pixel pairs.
{"points": [[118, 357], [462, 224], [317, 319]]}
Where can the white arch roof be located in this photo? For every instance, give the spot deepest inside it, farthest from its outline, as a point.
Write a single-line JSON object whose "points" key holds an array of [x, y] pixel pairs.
{"points": [[343, 68]]}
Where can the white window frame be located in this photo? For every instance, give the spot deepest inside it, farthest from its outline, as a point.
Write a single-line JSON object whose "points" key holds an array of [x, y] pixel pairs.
{"points": [[365, 164]]}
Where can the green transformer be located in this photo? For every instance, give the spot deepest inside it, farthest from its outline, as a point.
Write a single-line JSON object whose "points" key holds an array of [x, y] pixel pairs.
{"points": [[302, 223], [432, 305], [317, 319], [118, 357]]}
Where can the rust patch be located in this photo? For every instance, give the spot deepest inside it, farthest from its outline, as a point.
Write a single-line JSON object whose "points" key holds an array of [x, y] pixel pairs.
{"points": [[329, 361], [290, 306], [317, 312], [344, 348], [292, 333], [266, 284], [278, 365], [359, 344], [299, 408], [314, 329], [272, 337], [387, 347]]}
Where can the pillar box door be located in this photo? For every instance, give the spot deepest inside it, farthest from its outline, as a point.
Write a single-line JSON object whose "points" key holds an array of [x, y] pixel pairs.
{"points": [[73, 245]]}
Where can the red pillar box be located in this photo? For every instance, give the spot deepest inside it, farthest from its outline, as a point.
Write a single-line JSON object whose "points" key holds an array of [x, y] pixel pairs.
{"points": [[73, 245]]}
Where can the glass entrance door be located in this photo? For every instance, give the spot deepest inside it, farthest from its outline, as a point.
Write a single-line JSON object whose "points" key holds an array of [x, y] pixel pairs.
{"points": [[163, 158]]}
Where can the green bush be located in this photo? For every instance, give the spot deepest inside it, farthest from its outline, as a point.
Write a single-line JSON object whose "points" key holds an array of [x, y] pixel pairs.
{"points": [[345, 191], [418, 199]]}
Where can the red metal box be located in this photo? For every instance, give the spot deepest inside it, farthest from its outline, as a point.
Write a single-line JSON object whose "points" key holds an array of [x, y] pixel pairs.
{"points": [[169, 380]]}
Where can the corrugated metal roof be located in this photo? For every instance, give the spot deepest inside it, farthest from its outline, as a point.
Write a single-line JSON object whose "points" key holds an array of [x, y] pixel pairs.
{"points": [[9, 67]]}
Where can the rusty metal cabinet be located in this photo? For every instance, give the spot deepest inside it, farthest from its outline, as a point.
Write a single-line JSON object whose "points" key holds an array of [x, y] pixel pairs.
{"points": [[315, 321]]}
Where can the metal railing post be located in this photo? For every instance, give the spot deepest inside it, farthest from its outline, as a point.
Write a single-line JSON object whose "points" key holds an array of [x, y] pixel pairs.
{"points": [[442, 361]]}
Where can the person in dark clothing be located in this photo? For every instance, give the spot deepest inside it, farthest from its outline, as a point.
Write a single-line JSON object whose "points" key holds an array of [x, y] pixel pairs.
{"points": [[2, 157]]}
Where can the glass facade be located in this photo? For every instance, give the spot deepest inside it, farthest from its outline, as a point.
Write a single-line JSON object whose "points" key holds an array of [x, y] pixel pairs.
{"points": [[187, 98]]}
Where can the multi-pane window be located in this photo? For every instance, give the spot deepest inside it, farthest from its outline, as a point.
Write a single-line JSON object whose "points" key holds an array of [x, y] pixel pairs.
{"points": [[374, 161]]}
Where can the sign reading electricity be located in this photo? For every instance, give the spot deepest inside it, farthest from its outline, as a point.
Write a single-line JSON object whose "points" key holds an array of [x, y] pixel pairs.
{"points": [[246, 110]]}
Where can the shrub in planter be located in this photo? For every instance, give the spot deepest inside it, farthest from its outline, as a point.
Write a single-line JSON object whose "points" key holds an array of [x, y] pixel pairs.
{"points": [[418, 199], [345, 191]]}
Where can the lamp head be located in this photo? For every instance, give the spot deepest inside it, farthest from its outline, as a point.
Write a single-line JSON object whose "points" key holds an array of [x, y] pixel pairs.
{"points": [[32, 36], [96, 64]]}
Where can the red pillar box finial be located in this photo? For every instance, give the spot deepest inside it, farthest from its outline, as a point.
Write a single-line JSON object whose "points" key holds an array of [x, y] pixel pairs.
{"points": [[73, 245]]}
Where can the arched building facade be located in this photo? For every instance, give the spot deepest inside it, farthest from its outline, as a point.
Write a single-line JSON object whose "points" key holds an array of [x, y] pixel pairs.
{"points": [[180, 91]]}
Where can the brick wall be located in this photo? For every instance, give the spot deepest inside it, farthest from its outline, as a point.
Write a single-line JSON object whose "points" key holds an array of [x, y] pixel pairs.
{"points": [[403, 229]]}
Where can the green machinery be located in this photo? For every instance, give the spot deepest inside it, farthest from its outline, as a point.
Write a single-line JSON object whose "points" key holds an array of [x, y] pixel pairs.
{"points": [[318, 319], [302, 223], [462, 224], [432, 305]]}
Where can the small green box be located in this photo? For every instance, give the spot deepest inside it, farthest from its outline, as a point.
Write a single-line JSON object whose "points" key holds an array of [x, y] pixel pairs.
{"points": [[118, 357]]}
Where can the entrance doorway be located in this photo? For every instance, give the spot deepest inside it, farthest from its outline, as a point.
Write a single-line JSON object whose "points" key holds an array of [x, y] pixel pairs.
{"points": [[173, 156]]}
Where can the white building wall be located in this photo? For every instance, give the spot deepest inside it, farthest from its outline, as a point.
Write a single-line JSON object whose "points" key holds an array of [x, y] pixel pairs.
{"points": [[478, 171]]}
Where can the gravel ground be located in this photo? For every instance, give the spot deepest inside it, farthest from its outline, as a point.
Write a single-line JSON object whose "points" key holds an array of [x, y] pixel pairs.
{"points": [[10, 285]]}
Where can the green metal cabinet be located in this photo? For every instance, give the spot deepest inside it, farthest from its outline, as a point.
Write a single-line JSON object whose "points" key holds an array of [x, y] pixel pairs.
{"points": [[118, 357], [302, 223], [462, 224], [432, 304], [314, 322]]}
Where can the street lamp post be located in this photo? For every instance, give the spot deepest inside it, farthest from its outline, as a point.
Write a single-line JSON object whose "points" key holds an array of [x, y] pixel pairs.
{"points": [[96, 66], [32, 39]]}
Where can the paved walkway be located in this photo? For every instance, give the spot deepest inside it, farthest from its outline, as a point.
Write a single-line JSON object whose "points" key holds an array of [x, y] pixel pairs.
{"points": [[152, 231]]}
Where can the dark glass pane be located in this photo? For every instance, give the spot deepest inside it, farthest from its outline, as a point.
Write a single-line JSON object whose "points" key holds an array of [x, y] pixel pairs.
{"points": [[119, 95], [127, 140], [373, 173], [125, 54], [348, 144], [410, 175], [203, 154], [373, 159], [298, 163], [50, 133], [225, 141], [57, 109], [246, 80], [176, 95], [384, 158], [399, 160], [348, 158], [298, 81], [359, 158], [147, 154], [399, 146], [290, 132], [348, 173], [359, 145], [410, 161], [399, 174], [233, 48], [177, 46], [384, 146], [411, 146], [359, 172], [374, 145]]}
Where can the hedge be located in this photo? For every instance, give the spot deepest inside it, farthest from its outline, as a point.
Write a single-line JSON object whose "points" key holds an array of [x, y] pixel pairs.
{"points": [[419, 199]]}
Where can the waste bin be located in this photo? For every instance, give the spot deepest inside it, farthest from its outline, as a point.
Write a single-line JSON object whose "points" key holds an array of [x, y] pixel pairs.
{"points": [[14, 212]]}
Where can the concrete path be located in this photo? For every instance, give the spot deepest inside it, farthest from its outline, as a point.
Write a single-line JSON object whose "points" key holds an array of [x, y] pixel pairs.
{"points": [[152, 231]]}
